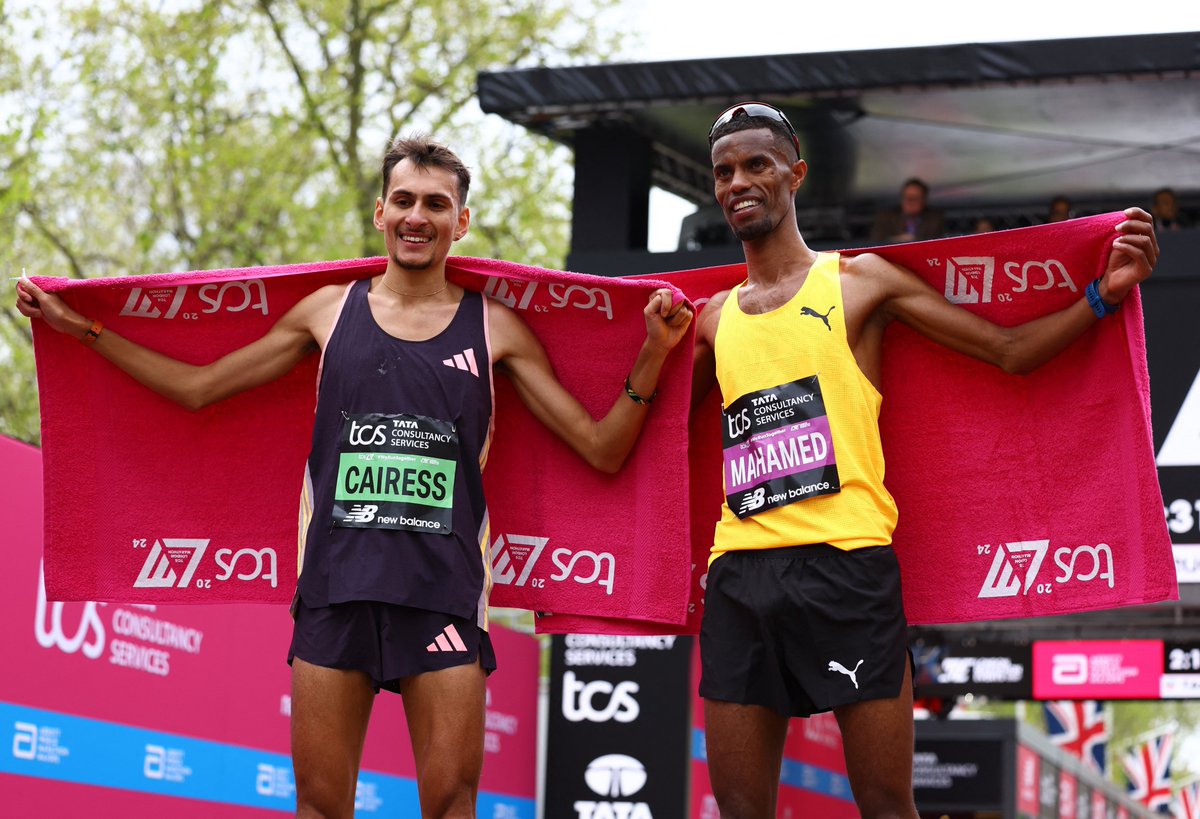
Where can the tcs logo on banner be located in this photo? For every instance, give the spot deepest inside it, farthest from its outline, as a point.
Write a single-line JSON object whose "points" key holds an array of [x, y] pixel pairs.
{"points": [[580, 701], [87, 637]]}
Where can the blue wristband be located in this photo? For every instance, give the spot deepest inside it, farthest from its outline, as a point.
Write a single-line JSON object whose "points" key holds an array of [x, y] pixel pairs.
{"points": [[1099, 306]]}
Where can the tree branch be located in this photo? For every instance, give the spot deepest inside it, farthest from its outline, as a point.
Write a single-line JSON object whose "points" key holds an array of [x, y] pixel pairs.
{"points": [[310, 102], [54, 239]]}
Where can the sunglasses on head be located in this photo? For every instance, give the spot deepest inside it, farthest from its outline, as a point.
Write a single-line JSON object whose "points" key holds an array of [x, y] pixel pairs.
{"points": [[754, 109]]}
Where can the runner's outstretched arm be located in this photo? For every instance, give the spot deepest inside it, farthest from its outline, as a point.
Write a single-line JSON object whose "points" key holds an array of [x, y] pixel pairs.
{"points": [[192, 386], [1021, 349]]}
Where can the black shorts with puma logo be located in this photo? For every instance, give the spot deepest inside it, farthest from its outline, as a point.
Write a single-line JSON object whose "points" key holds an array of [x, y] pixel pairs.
{"points": [[803, 629]]}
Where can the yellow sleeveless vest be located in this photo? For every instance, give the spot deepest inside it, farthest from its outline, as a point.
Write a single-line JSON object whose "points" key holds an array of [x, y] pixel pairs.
{"points": [[802, 457]]}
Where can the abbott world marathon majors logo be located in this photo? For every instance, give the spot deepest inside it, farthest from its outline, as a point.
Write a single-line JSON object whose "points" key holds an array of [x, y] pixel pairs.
{"points": [[1015, 567], [615, 778], [141, 642], [514, 558]]}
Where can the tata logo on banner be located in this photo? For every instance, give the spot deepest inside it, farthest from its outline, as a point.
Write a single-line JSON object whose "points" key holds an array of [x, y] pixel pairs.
{"points": [[614, 776]]}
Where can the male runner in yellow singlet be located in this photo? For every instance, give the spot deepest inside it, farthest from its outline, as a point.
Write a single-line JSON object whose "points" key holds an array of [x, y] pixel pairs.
{"points": [[803, 612]]}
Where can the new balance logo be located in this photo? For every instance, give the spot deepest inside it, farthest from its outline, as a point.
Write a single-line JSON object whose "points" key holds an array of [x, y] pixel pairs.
{"points": [[463, 361], [753, 500], [448, 640], [1014, 568], [834, 665], [158, 572]]}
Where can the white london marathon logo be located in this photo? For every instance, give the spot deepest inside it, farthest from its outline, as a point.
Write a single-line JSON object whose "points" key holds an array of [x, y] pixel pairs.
{"points": [[515, 556], [172, 562], [1015, 566], [615, 777], [157, 571]]}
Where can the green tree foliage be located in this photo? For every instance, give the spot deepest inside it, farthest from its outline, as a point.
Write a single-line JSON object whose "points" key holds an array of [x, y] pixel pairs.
{"points": [[139, 136]]}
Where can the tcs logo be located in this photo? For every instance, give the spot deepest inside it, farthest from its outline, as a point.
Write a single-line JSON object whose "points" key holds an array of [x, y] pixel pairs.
{"points": [[367, 434], [616, 702], [88, 637], [738, 423]]}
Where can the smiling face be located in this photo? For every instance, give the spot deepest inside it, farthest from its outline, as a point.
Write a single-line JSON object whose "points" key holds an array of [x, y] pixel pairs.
{"points": [[420, 216], [755, 181]]}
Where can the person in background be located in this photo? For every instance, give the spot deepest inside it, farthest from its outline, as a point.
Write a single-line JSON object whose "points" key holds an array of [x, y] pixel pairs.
{"points": [[1060, 209], [1165, 209], [912, 221]]}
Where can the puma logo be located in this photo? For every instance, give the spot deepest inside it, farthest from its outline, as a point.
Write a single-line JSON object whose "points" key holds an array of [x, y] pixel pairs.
{"points": [[808, 311], [834, 665]]}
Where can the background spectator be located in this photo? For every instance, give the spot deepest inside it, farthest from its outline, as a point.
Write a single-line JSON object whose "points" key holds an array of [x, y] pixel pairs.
{"points": [[1060, 209], [1165, 209], [913, 220]]}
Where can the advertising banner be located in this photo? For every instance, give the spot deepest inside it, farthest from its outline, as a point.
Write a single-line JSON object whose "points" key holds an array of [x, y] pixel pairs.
{"points": [[953, 668], [1173, 358], [958, 775], [617, 731], [139, 710], [1097, 669]]}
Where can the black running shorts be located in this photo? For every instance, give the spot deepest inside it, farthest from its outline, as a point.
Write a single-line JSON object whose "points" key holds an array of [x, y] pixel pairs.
{"points": [[803, 629], [387, 642]]}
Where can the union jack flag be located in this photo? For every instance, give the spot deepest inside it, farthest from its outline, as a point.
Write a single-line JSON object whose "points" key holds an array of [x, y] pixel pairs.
{"points": [[1148, 767], [1187, 801], [1080, 727]]}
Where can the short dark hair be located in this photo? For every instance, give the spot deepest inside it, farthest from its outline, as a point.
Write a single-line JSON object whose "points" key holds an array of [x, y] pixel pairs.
{"points": [[425, 153], [783, 138], [920, 183]]}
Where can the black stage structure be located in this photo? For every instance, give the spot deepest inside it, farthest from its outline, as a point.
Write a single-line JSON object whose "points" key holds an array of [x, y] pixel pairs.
{"points": [[996, 129]]}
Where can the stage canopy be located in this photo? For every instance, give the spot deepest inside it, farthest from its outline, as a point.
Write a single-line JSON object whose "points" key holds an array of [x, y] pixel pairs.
{"points": [[994, 128]]}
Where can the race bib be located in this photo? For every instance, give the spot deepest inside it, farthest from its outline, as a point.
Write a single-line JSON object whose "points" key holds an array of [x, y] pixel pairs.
{"points": [[778, 448], [396, 472]]}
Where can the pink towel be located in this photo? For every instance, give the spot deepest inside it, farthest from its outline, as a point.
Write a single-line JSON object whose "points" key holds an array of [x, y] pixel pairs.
{"points": [[147, 502], [1019, 496]]}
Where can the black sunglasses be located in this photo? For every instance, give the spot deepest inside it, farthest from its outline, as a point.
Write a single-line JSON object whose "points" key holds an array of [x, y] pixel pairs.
{"points": [[754, 109]]}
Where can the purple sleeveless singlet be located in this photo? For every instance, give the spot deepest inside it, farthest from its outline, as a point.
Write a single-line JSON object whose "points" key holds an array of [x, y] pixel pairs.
{"points": [[395, 475]]}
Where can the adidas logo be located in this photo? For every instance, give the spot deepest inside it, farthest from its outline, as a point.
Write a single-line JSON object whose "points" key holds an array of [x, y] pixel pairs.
{"points": [[448, 640], [463, 361]]}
